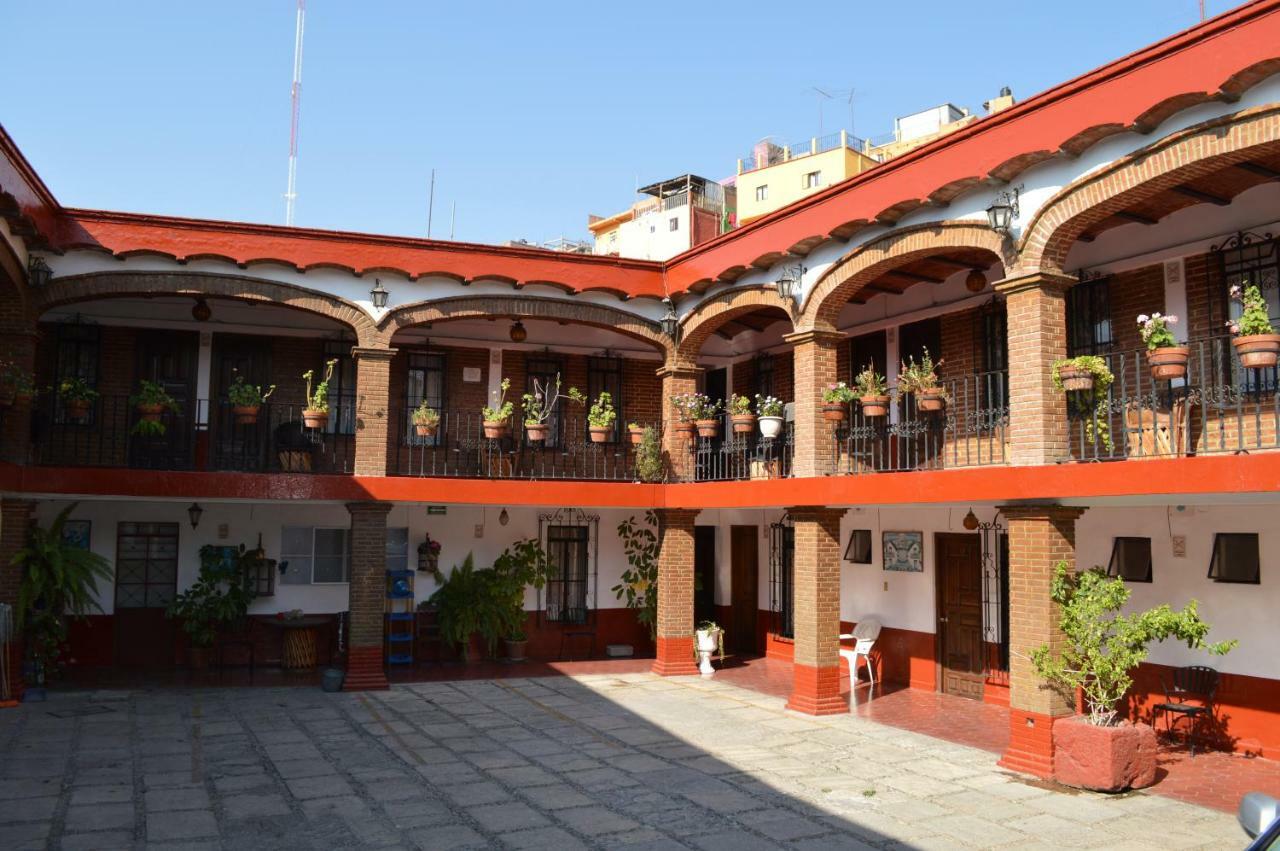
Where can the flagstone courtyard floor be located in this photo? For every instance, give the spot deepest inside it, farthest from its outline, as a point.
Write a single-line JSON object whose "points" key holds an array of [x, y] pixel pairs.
{"points": [[600, 760]]}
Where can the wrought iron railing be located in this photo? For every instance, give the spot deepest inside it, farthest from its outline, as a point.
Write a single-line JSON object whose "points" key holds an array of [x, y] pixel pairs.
{"points": [[1218, 407], [458, 447], [738, 457], [970, 431], [278, 440]]}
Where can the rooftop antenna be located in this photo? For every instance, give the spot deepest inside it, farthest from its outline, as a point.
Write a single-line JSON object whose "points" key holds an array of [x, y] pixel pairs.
{"points": [[822, 98], [291, 194], [431, 202]]}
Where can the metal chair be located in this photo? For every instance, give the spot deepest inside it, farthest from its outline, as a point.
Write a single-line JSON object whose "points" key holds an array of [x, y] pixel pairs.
{"points": [[864, 635], [1191, 698]]}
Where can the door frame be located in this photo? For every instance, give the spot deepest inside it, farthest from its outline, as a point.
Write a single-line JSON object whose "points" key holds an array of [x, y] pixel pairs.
{"points": [[754, 642], [938, 632]]}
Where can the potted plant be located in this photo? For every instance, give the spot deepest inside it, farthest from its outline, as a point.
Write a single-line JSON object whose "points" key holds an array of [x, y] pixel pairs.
{"points": [[247, 400], [316, 414], [683, 406], [429, 556], [638, 585], [649, 466], [1082, 374], [496, 420], [466, 607], [221, 594], [541, 403], [770, 410], [635, 432], [77, 397], [744, 422], [1166, 358], [59, 581], [705, 415], [426, 420], [520, 566], [1256, 341], [921, 379], [600, 418], [151, 401], [708, 641], [873, 392], [1101, 650], [835, 402], [16, 384]]}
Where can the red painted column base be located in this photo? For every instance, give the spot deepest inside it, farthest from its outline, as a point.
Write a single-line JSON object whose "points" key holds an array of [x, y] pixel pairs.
{"points": [[364, 670], [816, 691], [675, 657], [1030, 744]]}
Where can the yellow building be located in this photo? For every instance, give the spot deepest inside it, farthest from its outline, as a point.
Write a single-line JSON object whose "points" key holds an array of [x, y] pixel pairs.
{"points": [[773, 176]]}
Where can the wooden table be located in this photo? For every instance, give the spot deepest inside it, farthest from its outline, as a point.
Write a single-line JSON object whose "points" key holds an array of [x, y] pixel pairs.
{"points": [[299, 640]]}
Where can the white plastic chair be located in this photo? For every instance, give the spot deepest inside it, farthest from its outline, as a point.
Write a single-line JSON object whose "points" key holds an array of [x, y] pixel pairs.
{"points": [[865, 635]]}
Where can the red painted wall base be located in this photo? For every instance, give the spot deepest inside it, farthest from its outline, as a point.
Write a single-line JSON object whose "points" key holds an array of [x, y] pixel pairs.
{"points": [[816, 691], [675, 657], [364, 670], [1030, 744]]}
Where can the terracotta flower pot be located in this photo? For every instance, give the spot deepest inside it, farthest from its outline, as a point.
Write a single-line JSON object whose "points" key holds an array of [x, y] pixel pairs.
{"points": [[1106, 759], [684, 430], [637, 435], [1168, 362], [245, 414], [930, 400], [708, 428], [537, 432], [1258, 351], [835, 412], [77, 409], [1075, 379], [599, 434], [516, 649], [744, 423], [315, 419], [874, 406], [495, 429], [150, 413], [425, 429]]}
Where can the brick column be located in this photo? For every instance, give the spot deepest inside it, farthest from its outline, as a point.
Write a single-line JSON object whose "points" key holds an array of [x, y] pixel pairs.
{"points": [[15, 421], [1037, 338], [816, 601], [816, 356], [1039, 537], [15, 525], [374, 408], [675, 593], [367, 591], [677, 380]]}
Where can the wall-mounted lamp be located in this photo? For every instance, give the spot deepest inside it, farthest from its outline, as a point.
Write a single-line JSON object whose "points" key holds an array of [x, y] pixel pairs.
{"points": [[670, 322], [789, 282], [1003, 211], [200, 311], [194, 513], [38, 271], [378, 295], [518, 333]]}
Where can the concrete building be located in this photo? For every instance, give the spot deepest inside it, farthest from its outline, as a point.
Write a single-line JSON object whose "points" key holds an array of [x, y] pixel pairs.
{"points": [[675, 215]]}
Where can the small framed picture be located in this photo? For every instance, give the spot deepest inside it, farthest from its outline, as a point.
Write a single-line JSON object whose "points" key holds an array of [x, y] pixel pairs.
{"points": [[904, 551], [76, 533]]}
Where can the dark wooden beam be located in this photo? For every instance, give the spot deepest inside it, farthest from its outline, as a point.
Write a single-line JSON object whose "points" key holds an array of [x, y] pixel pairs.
{"points": [[951, 262], [916, 277], [1200, 195], [1130, 216], [1260, 170]]}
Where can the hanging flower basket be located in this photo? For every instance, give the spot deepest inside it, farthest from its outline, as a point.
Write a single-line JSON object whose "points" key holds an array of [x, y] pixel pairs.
{"points": [[744, 423], [708, 428], [685, 430], [931, 400], [834, 412], [539, 431], [1168, 362], [599, 434], [425, 429], [150, 413], [245, 414], [1258, 351], [495, 429], [312, 418], [637, 434], [875, 406], [1075, 378]]}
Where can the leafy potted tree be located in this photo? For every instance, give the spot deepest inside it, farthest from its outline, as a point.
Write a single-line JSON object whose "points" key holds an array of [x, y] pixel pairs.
{"points": [[467, 608], [496, 420], [16, 384], [1166, 358], [921, 379], [873, 392], [59, 581], [649, 466], [247, 400], [1102, 648], [151, 401], [744, 421], [835, 402], [683, 406], [708, 641], [600, 418], [522, 565], [705, 413], [77, 397], [316, 414], [539, 405], [426, 420], [1255, 340], [770, 409], [221, 594]]}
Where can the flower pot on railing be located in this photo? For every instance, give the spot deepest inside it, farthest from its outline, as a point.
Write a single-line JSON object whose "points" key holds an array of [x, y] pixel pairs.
{"points": [[246, 414], [1075, 378], [932, 400], [834, 412], [599, 434], [744, 423], [770, 426], [708, 428], [875, 406], [150, 413], [637, 435], [426, 429], [537, 431], [684, 430], [495, 429], [1258, 351], [312, 418], [1168, 362]]}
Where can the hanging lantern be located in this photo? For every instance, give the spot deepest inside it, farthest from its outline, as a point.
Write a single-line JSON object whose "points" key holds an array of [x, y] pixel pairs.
{"points": [[518, 333], [378, 295], [38, 271], [194, 513], [670, 322], [200, 311], [975, 281], [1003, 211], [971, 521]]}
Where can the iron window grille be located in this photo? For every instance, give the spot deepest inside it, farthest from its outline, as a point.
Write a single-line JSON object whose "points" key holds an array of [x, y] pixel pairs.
{"points": [[545, 370], [762, 375], [604, 375], [782, 557], [1131, 559], [1089, 327], [571, 541], [77, 354], [342, 387], [425, 383], [858, 549], [146, 565], [1248, 259], [1235, 558], [993, 357], [994, 554]]}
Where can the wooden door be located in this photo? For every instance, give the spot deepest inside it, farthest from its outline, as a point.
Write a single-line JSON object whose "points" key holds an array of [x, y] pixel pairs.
{"points": [[146, 581], [169, 359], [744, 555], [959, 565], [704, 568], [240, 446]]}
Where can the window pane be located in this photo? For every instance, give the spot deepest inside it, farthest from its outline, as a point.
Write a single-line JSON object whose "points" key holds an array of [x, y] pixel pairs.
{"points": [[329, 569], [297, 571], [296, 541], [397, 549], [1131, 559], [1235, 558], [331, 542]]}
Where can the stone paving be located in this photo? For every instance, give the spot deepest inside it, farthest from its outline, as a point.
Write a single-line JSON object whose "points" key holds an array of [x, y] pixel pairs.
{"points": [[610, 761]]}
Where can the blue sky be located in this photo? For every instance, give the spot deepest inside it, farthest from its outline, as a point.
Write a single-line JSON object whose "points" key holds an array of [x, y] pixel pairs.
{"points": [[532, 114]]}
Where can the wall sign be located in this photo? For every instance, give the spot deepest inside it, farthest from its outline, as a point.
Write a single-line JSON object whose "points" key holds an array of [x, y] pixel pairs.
{"points": [[471, 374], [904, 551]]}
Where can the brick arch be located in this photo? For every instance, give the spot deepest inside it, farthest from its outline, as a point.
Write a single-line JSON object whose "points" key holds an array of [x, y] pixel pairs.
{"points": [[1183, 156], [868, 262], [526, 307], [77, 288], [709, 315]]}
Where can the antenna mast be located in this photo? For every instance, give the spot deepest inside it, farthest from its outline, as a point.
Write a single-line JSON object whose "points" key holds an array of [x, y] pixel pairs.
{"points": [[291, 193]]}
